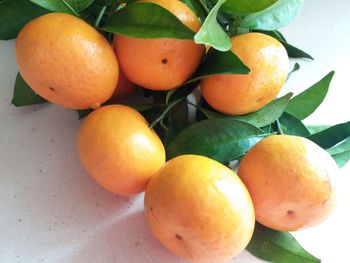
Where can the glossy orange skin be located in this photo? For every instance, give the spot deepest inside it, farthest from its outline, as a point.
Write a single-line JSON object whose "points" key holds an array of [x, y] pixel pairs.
{"points": [[290, 180], [199, 209], [119, 150], [67, 61], [240, 94], [161, 64], [124, 88]]}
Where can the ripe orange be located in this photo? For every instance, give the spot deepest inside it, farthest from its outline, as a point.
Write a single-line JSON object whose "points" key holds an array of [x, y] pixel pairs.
{"points": [[199, 209], [124, 88], [161, 64], [119, 150], [240, 94], [290, 181], [67, 61]]}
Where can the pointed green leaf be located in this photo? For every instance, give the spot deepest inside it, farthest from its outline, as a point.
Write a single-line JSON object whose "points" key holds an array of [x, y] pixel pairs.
{"points": [[277, 15], [276, 246], [23, 95], [317, 128], [245, 7], [341, 158], [147, 20], [331, 136], [292, 125], [217, 62], [211, 32], [14, 14], [220, 139], [64, 6], [305, 103], [266, 115]]}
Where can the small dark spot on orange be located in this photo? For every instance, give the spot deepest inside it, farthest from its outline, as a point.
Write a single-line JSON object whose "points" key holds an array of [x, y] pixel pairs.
{"points": [[178, 237], [290, 212], [51, 88], [164, 61], [151, 208]]}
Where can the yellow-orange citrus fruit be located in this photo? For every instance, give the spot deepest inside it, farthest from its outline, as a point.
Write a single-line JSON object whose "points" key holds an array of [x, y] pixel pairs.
{"points": [[124, 89], [199, 209], [240, 94], [161, 64], [119, 150], [67, 61], [290, 181]]}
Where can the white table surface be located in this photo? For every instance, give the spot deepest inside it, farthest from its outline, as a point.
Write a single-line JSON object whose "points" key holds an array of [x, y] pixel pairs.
{"points": [[51, 211]]}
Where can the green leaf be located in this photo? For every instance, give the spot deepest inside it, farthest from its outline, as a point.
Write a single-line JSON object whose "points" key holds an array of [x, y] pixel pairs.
{"points": [[220, 139], [293, 52], [211, 32], [196, 8], [341, 158], [295, 68], [331, 136], [23, 95], [341, 152], [245, 7], [14, 14], [263, 117], [292, 125], [147, 20], [64, 6], [317, 128], [276, 246], [305, 103], [217, 62], [277, 15]]}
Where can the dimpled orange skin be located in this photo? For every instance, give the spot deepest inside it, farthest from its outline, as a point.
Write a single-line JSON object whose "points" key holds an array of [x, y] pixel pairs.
{"points": [[67, 61], [290, 180], [199, 209], [161, 64], [236, 94], [119, 150]]}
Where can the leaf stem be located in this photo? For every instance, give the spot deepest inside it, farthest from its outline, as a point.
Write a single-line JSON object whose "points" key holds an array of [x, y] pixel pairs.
{"points": [[279, 128], [71, 8], [99, 16], [164, 113], [236, 24]]}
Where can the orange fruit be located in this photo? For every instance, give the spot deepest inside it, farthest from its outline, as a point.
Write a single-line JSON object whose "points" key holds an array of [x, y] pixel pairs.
{"points": [[240, 94], [67, 61], [124, 88], [161, 64], [199, 209], [290, 181], [119, 150]]}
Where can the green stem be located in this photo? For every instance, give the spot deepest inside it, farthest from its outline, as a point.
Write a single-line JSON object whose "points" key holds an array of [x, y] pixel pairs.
{"points": [[70, 8], [164, 113], [279, 129], [236, 24], [99, 16], [113, 8]]}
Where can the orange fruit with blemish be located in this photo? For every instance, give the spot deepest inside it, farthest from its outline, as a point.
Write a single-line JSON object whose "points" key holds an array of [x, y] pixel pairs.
{"points": [[240, 94], [290, 180], [199, 209], [161, 64], [119, 150], [66, 61]]}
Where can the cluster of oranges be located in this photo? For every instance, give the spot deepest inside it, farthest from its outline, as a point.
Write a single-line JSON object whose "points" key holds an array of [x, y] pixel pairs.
{"points": [[198, 208]]}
